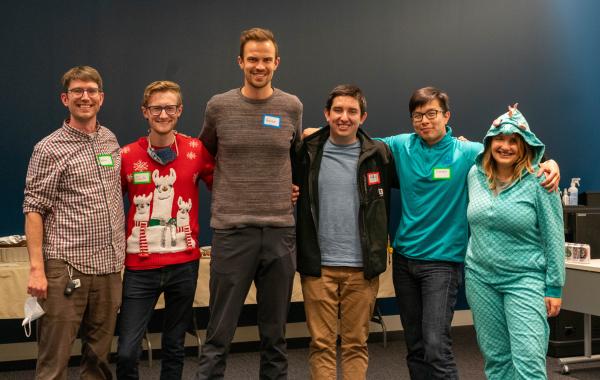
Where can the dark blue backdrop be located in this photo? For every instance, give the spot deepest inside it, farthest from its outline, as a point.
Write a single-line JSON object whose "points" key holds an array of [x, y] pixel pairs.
{"points": [[544, 54]]}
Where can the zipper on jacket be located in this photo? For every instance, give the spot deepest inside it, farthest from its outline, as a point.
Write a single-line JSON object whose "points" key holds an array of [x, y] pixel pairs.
{"points": [[363, 195], [311, 187]]}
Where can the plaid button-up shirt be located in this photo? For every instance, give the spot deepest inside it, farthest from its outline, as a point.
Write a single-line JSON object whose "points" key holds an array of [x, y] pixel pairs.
{"points": [[73, 181]]}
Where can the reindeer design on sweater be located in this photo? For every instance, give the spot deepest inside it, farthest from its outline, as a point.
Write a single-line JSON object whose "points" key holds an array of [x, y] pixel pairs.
{"points": [[141, 217], [162, 204], [161, 222], [183, 220]]}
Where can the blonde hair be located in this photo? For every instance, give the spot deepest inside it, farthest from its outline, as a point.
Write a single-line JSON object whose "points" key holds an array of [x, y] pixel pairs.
{"points": [[161, 86], [259, 35], [522, 164], [84, 73]]}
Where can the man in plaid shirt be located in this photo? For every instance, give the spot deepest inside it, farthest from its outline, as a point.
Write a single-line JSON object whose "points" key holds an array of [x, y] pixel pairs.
{"points": [[74, 224]]}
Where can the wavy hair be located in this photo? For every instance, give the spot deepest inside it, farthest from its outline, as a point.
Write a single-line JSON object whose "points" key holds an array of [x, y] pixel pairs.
{"points": [[161, 86], [522, 164]]}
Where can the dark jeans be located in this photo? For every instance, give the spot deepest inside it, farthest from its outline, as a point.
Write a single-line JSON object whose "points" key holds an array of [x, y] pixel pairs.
{"points": [[240, 256], [426, 293], [141, 290]]}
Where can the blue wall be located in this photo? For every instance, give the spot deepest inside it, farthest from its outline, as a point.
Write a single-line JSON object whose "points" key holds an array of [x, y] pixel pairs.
{"points": [[544, 54]]}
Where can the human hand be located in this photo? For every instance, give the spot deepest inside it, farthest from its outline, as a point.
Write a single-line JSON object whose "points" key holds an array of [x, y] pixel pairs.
{"points": [[38, 284], [552, 171], [552, 306], [295, 194], [308, 131]]}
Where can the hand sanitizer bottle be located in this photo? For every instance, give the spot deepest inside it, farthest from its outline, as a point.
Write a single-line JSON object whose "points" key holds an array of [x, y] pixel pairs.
{"points": [[574, 192], [565, 197]]}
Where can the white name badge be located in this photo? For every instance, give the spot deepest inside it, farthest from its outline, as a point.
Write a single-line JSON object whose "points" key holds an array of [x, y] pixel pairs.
{"points": [[105, 160], [272, 121], [140, 178], [442, 173]]}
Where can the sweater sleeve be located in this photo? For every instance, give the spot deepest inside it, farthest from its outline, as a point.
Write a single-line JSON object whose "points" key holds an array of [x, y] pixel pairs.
{"points": [[550, 221], [208, 134], [207, 166], [296, 144]]}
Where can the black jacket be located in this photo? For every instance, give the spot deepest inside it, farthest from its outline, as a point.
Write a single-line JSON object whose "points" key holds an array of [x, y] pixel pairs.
{"points": [[376, 160]]}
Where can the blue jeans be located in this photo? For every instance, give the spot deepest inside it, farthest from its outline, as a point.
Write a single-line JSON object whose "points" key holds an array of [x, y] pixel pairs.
{"points": [[426, 293], [141, 290]]}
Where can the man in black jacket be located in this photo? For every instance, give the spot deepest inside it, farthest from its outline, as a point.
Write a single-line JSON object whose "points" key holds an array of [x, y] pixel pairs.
{"points": [[342, 232]]}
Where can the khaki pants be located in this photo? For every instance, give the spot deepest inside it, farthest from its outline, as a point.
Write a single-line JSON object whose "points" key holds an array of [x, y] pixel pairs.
{"points": [[343, 292], [93, 307]]}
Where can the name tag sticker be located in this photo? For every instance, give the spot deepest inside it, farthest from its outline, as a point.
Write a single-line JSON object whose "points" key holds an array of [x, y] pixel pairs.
{"points": [[373, 178], [442, 173], [105, 160], [271, 121], [140, 178]]}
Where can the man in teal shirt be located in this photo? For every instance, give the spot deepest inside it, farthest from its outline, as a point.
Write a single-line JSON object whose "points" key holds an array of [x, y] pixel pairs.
{"points": [[430, 243]]}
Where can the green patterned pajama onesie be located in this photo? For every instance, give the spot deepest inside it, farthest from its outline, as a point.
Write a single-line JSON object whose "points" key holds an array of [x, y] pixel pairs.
{"points": [[515, 258]]}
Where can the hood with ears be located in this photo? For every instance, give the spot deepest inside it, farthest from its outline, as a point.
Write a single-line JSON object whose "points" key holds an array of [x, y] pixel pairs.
{"points": [[511, 122]]}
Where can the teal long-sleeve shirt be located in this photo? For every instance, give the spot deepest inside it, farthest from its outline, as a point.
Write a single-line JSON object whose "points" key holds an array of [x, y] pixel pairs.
{"points": [[517, 233], [433, 195]]}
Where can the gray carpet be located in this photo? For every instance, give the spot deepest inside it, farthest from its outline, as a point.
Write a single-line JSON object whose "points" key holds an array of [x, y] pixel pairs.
{"points": [[385, 363]]}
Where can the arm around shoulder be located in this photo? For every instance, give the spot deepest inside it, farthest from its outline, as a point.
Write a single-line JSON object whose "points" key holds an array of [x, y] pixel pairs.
{"points": [[552, 171], [393, 142], [393, 179], [207, 161], [208, 134], [550, 221]]}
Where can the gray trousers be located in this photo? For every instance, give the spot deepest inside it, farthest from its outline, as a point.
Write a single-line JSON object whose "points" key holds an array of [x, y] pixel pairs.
{"points": [[267, 256]]}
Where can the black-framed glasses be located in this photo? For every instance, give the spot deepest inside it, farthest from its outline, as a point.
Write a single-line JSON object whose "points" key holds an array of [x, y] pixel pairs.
{"points": [[78, 91], [157, 110], [431, 114]]}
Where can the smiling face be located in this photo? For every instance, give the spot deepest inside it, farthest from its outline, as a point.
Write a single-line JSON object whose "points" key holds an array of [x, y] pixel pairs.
{"points": [[258, 64], [84, 107], [344, 118], [162, 124], [430, 130], [507, 150]]}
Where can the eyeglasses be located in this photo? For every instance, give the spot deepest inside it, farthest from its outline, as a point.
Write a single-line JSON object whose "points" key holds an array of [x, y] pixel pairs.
{"points": [[78, 92], [157, 110], [431, 114]]}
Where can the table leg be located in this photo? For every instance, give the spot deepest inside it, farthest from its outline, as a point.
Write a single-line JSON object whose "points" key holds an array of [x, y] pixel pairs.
{"points": [[587, 347]]}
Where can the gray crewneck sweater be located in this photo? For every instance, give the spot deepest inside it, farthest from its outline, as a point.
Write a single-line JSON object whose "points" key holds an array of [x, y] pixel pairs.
{"points": [[252, 140]]}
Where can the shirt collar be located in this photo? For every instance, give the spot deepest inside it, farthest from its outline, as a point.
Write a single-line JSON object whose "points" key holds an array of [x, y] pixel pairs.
{"points": [[81, 134]]}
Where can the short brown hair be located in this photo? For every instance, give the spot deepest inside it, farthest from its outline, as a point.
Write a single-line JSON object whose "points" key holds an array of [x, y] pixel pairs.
{"points": [[257, 34], [425, 95], [161, 86], [347, 90], [84, 73]]}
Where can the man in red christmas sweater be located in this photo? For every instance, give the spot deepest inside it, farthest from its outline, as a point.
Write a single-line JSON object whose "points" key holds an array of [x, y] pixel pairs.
{"points": [[160, 174]]}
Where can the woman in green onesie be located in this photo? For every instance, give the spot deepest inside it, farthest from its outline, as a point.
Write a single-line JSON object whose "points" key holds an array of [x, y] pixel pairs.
{"points": [[514, 267]]}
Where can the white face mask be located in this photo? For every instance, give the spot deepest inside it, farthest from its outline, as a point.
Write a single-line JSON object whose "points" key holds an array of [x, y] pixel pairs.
{"points": [[33, 311]]}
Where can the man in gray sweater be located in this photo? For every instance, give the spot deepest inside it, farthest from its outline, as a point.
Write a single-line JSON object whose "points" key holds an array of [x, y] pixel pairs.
{"points": [[251, 132]]}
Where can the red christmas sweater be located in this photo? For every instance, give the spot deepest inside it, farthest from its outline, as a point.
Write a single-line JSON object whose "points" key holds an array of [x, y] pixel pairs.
{"points": [[162, 221]]}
